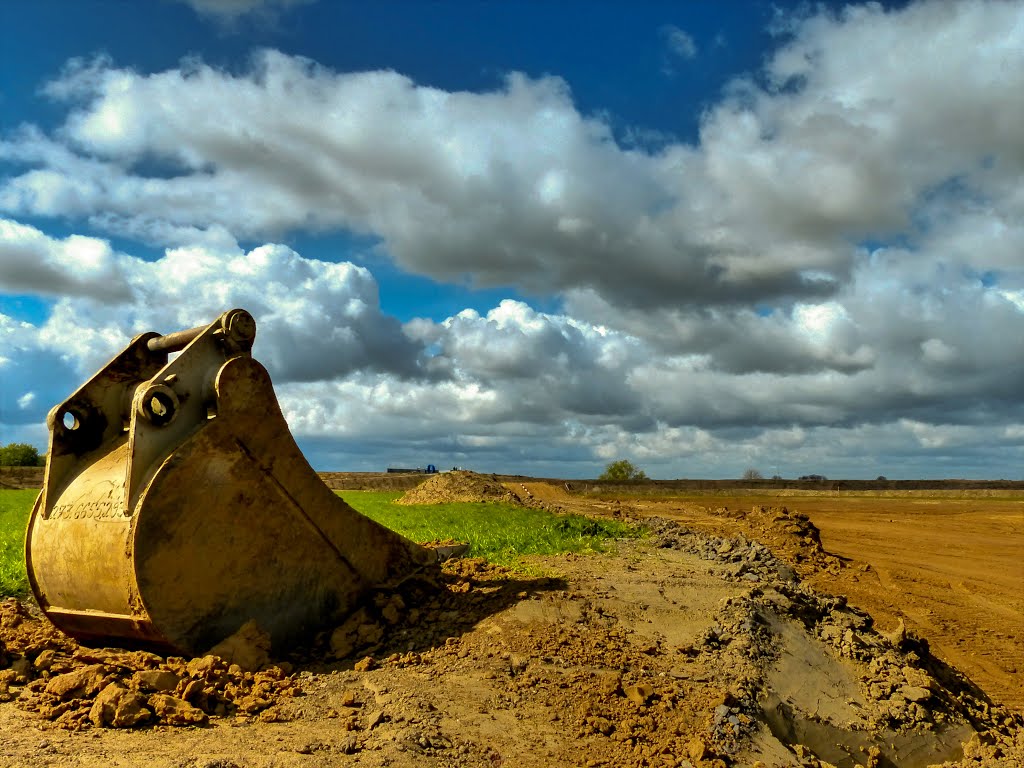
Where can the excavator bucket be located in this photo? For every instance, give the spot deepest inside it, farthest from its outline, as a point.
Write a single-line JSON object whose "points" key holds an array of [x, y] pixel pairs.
{"points": [[176, 506]]}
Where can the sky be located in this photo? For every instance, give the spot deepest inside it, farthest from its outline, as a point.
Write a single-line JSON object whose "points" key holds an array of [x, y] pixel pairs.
{"points": [[536, 237]]}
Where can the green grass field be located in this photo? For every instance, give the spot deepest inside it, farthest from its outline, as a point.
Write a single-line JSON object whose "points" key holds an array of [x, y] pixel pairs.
{"points": [[15, 507], [499, 532]]}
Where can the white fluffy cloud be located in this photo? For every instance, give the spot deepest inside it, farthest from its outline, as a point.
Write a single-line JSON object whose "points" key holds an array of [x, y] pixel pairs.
{"points": [[317, 319], [520, 389], [31, 262], [866, 125], [511, 187], [232, 10], [838, 260], [680, 42]]}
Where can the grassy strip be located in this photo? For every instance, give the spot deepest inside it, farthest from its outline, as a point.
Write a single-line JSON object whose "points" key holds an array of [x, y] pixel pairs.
{"points": [[499, 532], [15, 507]]}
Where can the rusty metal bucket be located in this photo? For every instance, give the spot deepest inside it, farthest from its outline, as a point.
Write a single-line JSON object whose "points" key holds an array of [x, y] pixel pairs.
{"points": [[177, 506]]}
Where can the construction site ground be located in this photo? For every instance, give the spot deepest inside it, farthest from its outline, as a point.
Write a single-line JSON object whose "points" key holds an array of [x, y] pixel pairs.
{"points": [[812, 630], [950, 564]]}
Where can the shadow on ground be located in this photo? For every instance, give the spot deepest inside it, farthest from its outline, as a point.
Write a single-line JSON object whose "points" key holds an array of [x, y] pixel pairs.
{"points": [[423, 613]]}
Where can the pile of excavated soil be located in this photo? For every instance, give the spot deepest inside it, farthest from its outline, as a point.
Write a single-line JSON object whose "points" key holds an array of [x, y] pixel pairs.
{"points": [[459, 485], [791, 535], [814, 675], [681, 650]]}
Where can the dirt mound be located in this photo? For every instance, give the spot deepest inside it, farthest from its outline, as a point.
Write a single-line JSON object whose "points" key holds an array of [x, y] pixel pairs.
{"points": [[791, 535], [459, 485], [813, 675]]}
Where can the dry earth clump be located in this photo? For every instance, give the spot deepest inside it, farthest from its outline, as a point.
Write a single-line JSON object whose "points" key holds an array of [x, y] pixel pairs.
{"points": [[76, 687], [456, 486]]}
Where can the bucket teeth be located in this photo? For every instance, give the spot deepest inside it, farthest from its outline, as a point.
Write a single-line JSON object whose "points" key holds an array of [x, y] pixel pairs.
{"points": [[176, 506]]}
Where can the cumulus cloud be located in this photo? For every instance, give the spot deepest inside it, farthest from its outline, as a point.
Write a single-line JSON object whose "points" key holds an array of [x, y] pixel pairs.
{"points": [[528, 390], [836, 264], [232, 10], [317, 319], [511, 187], [839, 141], [33, 378], [679, 42], [32, 262]]}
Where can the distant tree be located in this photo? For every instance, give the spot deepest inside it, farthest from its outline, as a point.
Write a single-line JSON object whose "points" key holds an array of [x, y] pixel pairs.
{"points": [[881, 478], [622, 470], [19, 455], [752, 474]]}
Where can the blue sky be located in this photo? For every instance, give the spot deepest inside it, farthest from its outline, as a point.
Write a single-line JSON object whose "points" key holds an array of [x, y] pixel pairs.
{"points": [[536, 237], [618, 59]]}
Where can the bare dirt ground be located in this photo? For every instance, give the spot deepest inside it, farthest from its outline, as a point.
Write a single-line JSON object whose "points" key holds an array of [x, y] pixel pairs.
{"points": [[715, 641], [951, 568]]}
